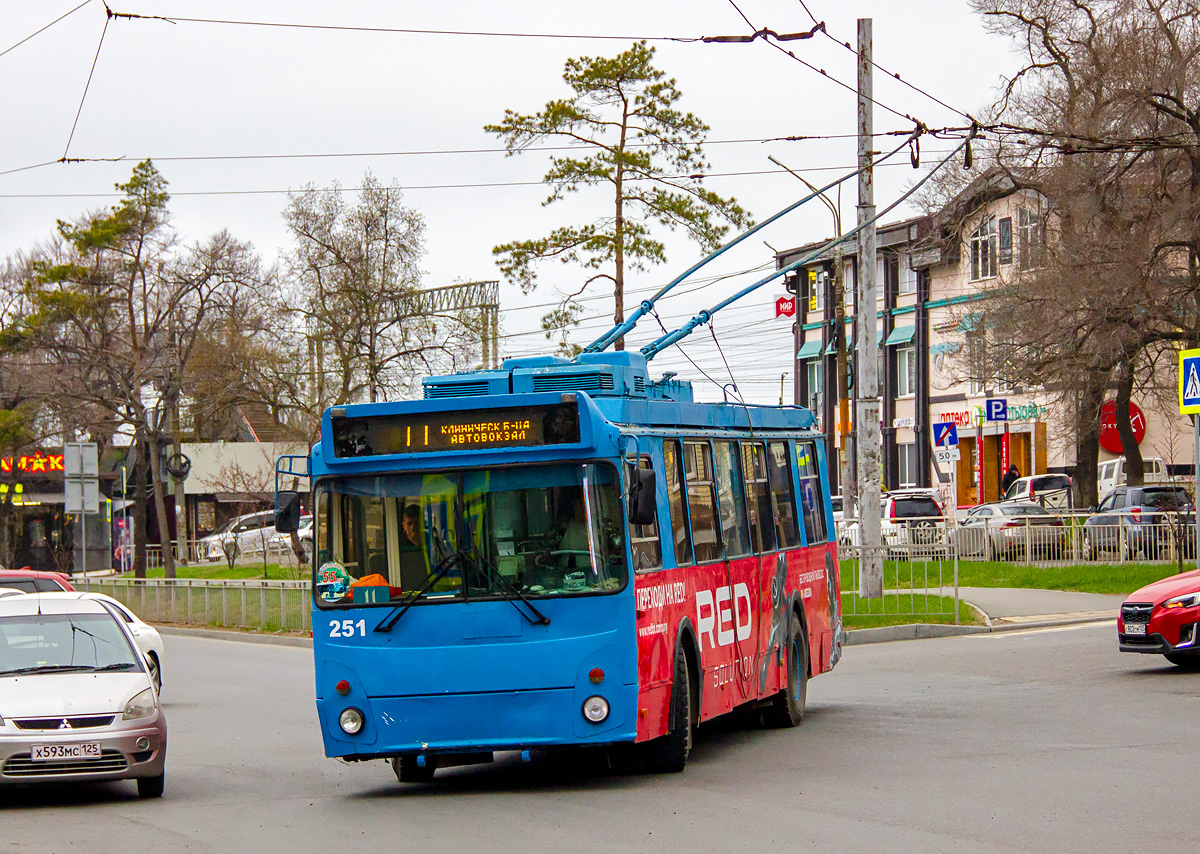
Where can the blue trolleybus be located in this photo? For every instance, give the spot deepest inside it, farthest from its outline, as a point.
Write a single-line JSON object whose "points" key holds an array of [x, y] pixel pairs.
{"points": [[563, 553]]}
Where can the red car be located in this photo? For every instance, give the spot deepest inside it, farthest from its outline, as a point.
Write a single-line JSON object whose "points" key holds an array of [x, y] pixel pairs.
{"points": [[1163, 617], [32, 581]]}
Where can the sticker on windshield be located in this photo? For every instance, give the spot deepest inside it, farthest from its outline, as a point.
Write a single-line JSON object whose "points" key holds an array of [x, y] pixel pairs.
{"points": [[333, 582]]}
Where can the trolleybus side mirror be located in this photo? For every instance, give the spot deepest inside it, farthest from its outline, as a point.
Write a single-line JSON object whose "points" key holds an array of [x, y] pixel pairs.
{"points": [[287, 511], [641, 496]]}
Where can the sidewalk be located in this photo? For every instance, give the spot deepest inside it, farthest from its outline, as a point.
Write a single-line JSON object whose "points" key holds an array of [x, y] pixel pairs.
{"points": [[1004, 608]]}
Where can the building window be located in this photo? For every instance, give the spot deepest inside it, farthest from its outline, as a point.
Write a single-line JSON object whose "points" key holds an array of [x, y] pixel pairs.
{"points": [[1006, 240], [816, 291], [906, 371], [814, 374], [907, 456], [983, 250], [731, 500], [1030, 246], [758, 492], [908, 277]]}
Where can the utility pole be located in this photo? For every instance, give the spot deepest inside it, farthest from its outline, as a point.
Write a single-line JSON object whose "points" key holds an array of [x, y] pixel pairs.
{"points": [[845, 469], [867, 416]]}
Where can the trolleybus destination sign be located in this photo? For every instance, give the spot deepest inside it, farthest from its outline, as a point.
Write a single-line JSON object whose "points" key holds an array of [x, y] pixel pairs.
{"points": [[424, 432]]}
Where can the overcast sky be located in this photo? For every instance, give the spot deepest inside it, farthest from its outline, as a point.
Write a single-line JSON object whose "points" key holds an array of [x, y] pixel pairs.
{"points": [[188, 89]]}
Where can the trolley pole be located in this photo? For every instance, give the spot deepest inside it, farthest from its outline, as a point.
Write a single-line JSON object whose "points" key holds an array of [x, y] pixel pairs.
{"points": [[868, 410]]}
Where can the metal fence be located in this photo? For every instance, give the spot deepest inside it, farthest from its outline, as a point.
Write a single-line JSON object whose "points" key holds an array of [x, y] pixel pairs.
{"points": [[275, 553], [1063, 538], [260, 605], [918, 580]]}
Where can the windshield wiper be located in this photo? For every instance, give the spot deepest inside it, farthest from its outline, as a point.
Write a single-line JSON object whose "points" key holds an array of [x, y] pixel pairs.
{"points": [[123, 665], [478, 558], [47, 668], [399, 611]]}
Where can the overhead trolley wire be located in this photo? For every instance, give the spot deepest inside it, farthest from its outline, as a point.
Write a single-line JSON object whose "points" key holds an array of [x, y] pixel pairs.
{"points": [[894, 75], [87, 85], [43, 29]]}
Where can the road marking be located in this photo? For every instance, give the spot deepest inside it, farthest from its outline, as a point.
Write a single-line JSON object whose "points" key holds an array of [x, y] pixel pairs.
{"points": [[1026, 632]]}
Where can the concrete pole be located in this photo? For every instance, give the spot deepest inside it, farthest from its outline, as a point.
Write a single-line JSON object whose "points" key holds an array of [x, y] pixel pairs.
{"points": [[867, 415]]}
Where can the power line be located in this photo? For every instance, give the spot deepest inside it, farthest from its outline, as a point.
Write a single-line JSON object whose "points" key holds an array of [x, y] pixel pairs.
{"points": [[894, 75], [43, 29], [87, 85], [171, 19], [468, 186]]}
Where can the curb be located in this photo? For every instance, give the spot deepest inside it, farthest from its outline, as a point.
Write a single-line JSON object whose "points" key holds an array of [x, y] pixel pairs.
{"points": [[232, 635], [917, 631], [854, 637]]}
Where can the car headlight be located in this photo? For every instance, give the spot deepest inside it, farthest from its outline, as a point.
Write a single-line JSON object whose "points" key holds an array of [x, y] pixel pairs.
{"points": [[595, 709], [1190, 600], [351, 721], [141, 706]]}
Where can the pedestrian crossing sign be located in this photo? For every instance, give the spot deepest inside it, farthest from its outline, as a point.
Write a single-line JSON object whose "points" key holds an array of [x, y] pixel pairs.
{"points": [[1189, 382]]}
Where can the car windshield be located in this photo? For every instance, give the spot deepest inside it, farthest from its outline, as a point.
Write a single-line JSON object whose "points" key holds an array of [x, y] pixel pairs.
{"points": [[915, 507], [1169, 498], [552, 530], [1025, 510], [44, 643]]}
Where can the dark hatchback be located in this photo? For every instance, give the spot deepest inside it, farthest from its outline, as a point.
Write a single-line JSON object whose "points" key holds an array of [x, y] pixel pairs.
{"points": [[1141, 520]]}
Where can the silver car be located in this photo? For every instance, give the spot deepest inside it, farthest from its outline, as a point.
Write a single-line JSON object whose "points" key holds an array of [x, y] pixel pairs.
{"points": [[77, 702]]}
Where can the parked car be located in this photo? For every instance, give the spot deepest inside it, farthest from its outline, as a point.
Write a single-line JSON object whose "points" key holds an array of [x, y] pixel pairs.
{"points": [[1111, 474], [246, 534], [1005, 528], [282, 543], [33, 581], [1162, 618], [76, 696], [1140, 520], [911, 520], [1048, 490], [147, 638]]}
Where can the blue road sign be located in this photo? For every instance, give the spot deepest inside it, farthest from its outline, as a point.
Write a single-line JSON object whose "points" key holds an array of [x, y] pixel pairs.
{"points": [[945, 435], [1189, 382], [996, 409]]}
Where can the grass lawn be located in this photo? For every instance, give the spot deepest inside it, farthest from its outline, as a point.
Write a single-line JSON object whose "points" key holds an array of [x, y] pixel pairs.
{"points": [[897, 610], [216, 571], [1116, 579]]}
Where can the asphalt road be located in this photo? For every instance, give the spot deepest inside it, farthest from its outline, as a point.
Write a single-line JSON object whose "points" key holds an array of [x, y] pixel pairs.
{"points": [[1045, 740]]}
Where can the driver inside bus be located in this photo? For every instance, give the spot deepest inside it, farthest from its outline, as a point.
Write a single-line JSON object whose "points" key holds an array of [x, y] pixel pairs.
{"points": [[575, 534], [411, 537]]}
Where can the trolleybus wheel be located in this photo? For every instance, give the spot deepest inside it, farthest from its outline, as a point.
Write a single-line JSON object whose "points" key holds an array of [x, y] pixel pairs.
{"points": [[787, 707], [408, 771], [669, 753]]}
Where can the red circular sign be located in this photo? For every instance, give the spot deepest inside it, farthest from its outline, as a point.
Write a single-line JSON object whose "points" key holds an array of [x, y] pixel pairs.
{"points": [[785, 306], [1110, 439]]}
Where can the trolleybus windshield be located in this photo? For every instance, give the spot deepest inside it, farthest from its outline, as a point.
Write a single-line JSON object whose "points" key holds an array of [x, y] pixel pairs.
{"points": [[540, 530]]}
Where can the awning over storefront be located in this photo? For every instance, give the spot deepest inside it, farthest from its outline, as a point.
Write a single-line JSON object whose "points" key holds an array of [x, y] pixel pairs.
{"points": [[810, 349], [901, 335]]}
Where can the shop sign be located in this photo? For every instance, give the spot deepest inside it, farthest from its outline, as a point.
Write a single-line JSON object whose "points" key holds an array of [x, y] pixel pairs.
{"points": [[904, 422], [1110, 439], [785, 307], [39, 462], [975, 415]]}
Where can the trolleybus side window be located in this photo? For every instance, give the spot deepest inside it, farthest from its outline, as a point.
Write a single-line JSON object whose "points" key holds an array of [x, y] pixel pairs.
{"points": [[779, 476], [732, 500], [758, 497], [644, 542], [702, 500], [811, 500], [679, 526]]}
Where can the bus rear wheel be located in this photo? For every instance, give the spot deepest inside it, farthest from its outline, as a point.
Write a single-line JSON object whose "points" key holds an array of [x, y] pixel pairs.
{"points": [[669, 753], [787, 707], [408, 771]]}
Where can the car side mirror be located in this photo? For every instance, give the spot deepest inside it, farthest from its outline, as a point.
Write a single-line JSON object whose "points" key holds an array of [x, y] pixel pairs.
{"points": [[641, 496], [287, 511], [1093, 509]]}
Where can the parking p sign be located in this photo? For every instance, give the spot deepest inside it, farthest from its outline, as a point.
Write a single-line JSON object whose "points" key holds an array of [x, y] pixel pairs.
{"points": [[1189, 382]]}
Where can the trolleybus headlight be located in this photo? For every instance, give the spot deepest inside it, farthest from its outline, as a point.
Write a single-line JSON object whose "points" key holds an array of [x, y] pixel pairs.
{"points": [[351, 721], [595, 709]]}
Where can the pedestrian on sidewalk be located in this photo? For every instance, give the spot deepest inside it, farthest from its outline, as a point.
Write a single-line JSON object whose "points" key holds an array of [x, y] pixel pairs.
{"points": [[1010, 477]]}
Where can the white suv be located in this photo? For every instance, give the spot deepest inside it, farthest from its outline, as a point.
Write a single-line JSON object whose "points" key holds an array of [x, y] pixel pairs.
{"points": [[912, 520], [250, 533]]}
